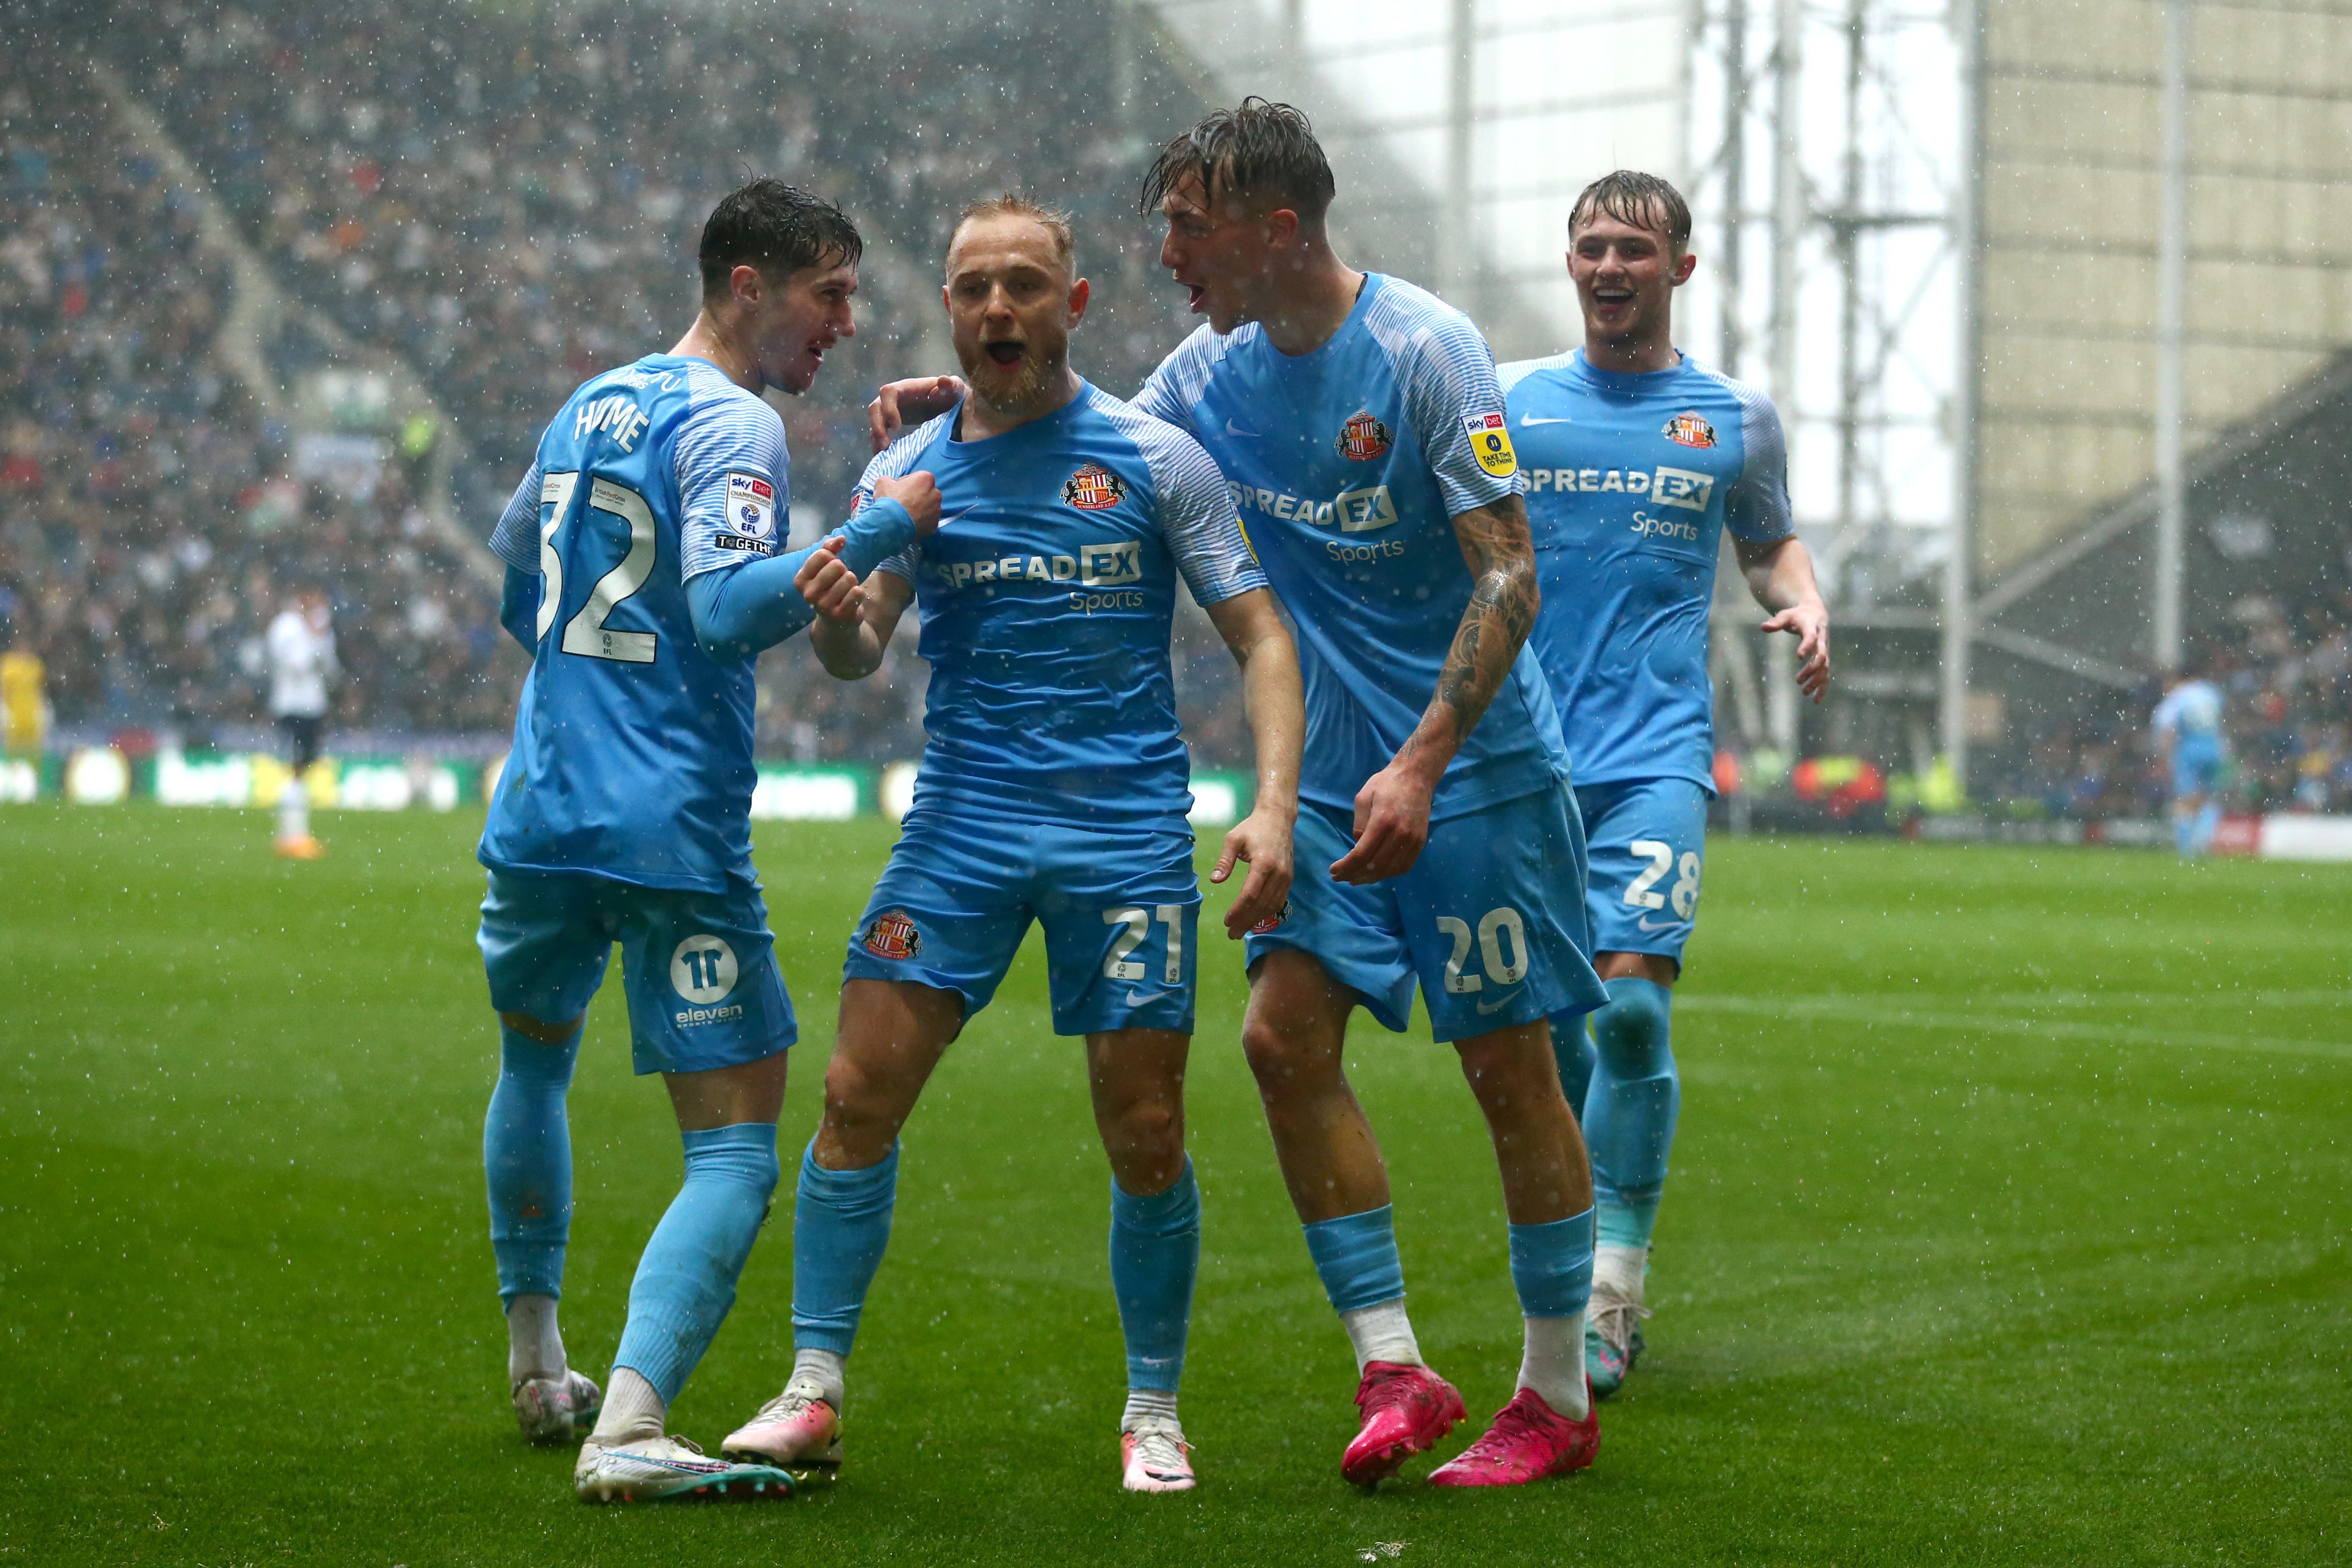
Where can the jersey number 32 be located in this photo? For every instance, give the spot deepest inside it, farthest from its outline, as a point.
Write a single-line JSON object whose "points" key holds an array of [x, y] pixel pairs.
{"points": [[585, 633]]}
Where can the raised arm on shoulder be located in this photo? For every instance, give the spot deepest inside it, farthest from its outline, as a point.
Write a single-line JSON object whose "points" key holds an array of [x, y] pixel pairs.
{"points": [[1780, 573], [1273, 697], [1392, 808], [900, 403]]}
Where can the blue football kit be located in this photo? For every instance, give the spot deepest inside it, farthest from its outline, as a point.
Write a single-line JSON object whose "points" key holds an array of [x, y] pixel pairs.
{"points": [[642, 571], [624, 810], [1348, 464], [1632, 481], [1053, 784], [2192, 714]]}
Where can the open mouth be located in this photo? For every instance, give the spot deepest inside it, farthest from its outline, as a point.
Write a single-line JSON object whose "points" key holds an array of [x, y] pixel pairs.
{"points": [[1195, 294], [1007, 355]]}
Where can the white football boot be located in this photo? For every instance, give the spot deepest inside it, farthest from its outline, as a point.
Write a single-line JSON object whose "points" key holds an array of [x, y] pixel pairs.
{"points": [[798, 1430], [1154, 1458], [657, 1470], [553, 1410]]}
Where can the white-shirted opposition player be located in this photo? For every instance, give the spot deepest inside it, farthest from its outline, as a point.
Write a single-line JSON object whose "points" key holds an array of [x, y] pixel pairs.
{"points": [[300, 645]]}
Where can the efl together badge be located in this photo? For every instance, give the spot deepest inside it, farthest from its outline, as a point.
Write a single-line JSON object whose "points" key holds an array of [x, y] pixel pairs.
{"points": [[1363, 437], [750, 505], [1094, 489], [1689, 430], [1490, 439], [893, 935]]}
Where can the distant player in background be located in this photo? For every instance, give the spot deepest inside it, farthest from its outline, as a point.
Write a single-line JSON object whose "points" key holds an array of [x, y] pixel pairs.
{"points": [[24, 699], [1638, 458], [642, 575], [300, 645], [2188, 725], [1358, 419], [1054, 790]]}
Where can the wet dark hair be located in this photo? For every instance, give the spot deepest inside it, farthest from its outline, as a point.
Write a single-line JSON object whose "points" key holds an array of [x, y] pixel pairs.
{"points": [[1645, 201], [1263, 152], [776, 228]]}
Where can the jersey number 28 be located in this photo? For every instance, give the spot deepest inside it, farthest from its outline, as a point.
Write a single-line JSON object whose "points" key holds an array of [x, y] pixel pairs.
{"points": [[585, 633]]}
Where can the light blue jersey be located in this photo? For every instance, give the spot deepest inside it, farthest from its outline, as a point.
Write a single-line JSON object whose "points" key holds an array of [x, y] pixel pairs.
{"points": [[2191, 713], [1045, 598], [1630, 481], [632, 754], [1348, 464]]}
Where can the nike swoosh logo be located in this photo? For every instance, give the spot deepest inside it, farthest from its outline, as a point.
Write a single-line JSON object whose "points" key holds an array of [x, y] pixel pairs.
{"points": [[1233, 429], [1528, 421], [1498, 1004], [1137, 998], [959, 517], [1662, 925]]}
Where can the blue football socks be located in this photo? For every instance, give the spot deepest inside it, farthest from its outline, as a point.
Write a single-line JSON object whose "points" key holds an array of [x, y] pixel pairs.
{"points": [[1630, 1108], [841, 1225], [1571, 1048], [686, 1280], [526, 1156], [1356, 1256], [1551, 1265], [1155, 1257]]}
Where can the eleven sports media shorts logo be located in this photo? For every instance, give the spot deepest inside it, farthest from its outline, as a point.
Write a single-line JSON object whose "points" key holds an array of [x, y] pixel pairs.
{"points": [[1094, 489], [893, 935], [1363, 437], [1689, 429]]}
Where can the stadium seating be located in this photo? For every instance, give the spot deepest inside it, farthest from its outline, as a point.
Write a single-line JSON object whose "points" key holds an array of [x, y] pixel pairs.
{"points": [[148, 516], [511, 202]]}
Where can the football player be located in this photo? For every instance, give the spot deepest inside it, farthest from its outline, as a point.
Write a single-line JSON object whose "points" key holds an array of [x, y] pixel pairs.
{"points": [[1638, 460], [1053, 790], [1361, 425], [642, 574]]}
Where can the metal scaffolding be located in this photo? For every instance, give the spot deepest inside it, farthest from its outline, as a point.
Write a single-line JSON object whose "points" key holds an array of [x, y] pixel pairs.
{"points": [[1860, 306]]}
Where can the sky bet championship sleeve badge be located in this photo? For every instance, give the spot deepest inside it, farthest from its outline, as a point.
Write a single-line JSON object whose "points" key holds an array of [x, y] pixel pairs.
{"points": [[1363, 437], [1094, 489], [893, 935], [750, 505], [1689, 430], [1491, 441]]}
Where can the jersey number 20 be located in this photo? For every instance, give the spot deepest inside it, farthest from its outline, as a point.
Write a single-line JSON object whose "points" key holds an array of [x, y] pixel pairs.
{"points": [[585, 633]]}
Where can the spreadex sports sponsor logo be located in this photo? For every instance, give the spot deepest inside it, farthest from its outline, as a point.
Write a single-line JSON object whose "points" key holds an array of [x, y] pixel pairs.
{"points": [[1353, 511], [893, 935], [1107, 574], [1363, 436], [1668, 486], [1094, 489], [1689, 429]]}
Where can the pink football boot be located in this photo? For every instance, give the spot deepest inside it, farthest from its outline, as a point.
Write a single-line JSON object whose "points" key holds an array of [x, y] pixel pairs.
{"points": [[1407, 1411], [1528, 1441], [795, 1431]]}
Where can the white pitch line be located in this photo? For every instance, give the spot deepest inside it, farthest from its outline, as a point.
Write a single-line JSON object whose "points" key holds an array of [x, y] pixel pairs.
{"points": [[1874, 1011]]}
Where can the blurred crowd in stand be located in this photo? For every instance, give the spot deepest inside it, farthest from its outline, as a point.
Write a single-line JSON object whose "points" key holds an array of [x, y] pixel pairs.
{"points": [[511, 201], [2284, 667], [149, 518]]}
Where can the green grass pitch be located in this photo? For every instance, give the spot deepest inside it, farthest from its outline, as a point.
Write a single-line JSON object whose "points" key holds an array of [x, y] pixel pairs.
{"points": [[2009, 1223]]}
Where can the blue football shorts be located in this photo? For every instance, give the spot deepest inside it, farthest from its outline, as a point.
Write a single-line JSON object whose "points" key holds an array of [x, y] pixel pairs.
{"points": [[1120, 904], [1647, 840], [2196, 767], [1489, 922], [699, 969]]}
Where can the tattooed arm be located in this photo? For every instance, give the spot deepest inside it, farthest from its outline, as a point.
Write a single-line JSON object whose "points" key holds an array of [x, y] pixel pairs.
{"points": [[1392, 808]]}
